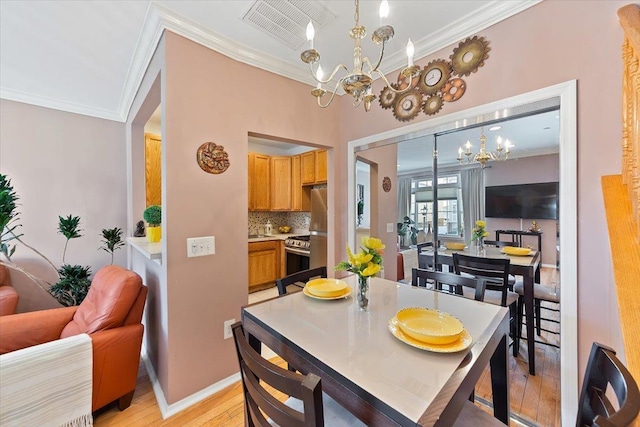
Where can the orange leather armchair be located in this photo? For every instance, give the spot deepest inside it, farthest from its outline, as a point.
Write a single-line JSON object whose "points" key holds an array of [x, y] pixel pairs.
{"points": [[111, 314], [8, 296]]}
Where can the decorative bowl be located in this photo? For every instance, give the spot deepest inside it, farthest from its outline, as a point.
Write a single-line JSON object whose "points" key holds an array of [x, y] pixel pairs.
{"points": [[455, 246], [429, 325], [512, 250], [326, 287], [284, 229]]}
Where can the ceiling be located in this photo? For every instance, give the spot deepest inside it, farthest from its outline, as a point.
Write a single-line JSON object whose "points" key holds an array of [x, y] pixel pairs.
{"points": [[88, 57]]}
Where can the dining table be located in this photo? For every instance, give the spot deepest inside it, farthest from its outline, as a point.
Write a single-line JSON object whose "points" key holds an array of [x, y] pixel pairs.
{"points": [[373, 370], [527, 266]]}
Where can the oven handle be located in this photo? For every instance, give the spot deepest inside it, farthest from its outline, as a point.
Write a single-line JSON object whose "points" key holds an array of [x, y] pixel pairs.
{"points": [[298, 251]]}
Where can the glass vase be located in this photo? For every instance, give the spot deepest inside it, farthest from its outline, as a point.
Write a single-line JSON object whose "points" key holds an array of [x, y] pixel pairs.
{"points": [[480, 245], [362, 293]]}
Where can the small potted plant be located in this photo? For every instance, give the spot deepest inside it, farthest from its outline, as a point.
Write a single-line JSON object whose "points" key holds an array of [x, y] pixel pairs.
{"points": [[153, 216]]}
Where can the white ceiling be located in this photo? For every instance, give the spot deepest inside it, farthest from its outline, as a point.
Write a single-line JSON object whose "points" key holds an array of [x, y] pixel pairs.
{"points": [[89, 57]]}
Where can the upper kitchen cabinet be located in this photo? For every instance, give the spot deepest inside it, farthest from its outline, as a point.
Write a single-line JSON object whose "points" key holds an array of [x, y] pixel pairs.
{"points": [[259, 182], [314, 167], [296, 184], [281, 183], [153, 168]]}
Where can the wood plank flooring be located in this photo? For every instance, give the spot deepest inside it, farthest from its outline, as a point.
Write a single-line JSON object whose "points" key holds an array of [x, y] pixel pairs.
{"points": [[534, 399]]}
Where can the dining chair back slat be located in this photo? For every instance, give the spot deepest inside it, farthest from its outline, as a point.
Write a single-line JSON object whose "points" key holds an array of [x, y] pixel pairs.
{"points": [[496, 270], [500, 243], [299, 279], [455, 281], [257, 371], [605, 369]]}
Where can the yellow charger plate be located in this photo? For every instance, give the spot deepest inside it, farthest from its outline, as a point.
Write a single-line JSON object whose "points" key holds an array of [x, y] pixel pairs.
{"points": [[455, 246], [429, 326], [326, 287], [344, 294], [462, 343], [512, 250]]}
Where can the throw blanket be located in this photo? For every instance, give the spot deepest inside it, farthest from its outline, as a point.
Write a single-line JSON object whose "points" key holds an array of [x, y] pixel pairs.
{"points": [[410, 260], [48, 384]]}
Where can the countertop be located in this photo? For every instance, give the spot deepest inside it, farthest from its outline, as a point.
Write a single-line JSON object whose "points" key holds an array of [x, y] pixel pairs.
{"points": [[278, 236]]}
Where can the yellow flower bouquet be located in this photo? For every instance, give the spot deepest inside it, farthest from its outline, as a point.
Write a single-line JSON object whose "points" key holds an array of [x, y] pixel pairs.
{"points": [[479, 233], [366, 263]]}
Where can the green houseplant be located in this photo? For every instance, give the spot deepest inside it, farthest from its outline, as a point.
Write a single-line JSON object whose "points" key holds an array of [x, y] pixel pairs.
{"points": [[153, 216], [406, 228], [112, 240]]}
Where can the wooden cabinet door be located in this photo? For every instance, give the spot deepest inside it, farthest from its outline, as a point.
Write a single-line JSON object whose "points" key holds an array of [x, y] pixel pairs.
{"points": [[308, 166], [153, 168], [321, 166], [261, 176], [281, 183], [296, 184], [264, 263]]}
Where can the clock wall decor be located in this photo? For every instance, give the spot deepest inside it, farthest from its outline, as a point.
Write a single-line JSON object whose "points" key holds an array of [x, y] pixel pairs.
{"points": [[440, 81]]}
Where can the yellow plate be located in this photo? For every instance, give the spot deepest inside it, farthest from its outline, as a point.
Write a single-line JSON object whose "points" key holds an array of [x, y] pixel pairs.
{"points": [[326, 287], [344, 294], [512, 250], [462, 343], [455, 246], [429, 326]]}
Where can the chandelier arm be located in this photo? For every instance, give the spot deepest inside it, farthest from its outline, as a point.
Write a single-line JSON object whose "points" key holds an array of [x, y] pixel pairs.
{"points": [[333, 94], [333, 74], [391, 87], [379, 59]]}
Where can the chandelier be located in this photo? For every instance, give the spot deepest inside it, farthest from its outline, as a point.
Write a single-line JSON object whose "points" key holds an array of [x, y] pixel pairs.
{"points": [[483, 156], [357, 83]]}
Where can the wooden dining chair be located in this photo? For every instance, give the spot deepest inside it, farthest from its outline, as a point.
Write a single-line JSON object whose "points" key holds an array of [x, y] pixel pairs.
{"points": [[306, 406], [496, 273], [604, 369], [453, 281], [501, 244], [296, 281]]}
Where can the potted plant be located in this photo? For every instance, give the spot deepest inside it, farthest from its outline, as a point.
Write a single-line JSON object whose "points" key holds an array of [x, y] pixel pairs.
{"points": [[406, 228], [153, 216]]}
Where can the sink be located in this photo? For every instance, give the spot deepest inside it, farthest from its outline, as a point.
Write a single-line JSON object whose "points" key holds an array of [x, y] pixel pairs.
{"points": [[254, 236]]}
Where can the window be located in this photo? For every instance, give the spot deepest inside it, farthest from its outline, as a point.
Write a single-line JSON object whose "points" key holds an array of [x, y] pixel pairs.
{"points": [[450, 215]]}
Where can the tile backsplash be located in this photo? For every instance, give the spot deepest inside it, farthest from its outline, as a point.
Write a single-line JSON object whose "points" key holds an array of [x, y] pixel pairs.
{"points": [[298, 221]]}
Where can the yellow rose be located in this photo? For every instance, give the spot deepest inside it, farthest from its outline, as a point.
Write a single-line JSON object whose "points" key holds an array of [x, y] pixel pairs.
{"points": [[362, 258], [481, 223], [372, 243], [485, 234], [371, 270]]}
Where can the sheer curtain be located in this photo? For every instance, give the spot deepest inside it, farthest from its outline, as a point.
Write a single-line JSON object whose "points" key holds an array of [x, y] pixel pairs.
{"points": [[404, 198], [472, 180]]}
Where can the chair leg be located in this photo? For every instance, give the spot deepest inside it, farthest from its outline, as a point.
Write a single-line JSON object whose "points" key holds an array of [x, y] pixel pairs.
{"points": [[125, 401], [537, 303], [513, 314], [520, 315]]}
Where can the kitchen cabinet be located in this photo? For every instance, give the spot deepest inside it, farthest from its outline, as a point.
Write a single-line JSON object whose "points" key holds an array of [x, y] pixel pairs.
{"points": [[265, 264], [281, 183], [296, 184], [259, 182], [153, 168], [314, 167]]}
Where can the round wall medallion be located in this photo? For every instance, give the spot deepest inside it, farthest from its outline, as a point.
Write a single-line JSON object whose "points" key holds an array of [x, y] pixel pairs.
{"points": [[386, 184], [212, 158]]}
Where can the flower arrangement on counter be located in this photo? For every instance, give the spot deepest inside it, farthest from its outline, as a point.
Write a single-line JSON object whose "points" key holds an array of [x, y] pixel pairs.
{"points": [[366, 263]]}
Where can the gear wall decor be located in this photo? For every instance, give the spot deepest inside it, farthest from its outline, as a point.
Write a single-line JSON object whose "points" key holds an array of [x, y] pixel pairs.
{"points": [[440, 81], [212, 158]]}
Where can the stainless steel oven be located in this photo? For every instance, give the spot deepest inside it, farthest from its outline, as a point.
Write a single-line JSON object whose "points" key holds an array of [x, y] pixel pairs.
{"points": [[297, 251]]}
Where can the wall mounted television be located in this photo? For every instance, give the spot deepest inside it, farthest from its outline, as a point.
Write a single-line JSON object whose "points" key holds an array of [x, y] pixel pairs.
{"points": [[529, 201]]}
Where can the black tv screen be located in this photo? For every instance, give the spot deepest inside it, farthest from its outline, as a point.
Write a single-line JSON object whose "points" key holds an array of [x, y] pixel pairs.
{"points": [[528, 201]]}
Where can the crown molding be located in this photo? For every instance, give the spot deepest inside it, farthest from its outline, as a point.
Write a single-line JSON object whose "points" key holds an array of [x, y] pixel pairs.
{"points": [[69, 107]]}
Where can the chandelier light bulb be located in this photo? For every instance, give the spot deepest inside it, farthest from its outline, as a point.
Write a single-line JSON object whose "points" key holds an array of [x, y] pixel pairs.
{"points": [[310, 33], [384, 10], [410, 52], [468, 146], [507, 146], [499, 141]]}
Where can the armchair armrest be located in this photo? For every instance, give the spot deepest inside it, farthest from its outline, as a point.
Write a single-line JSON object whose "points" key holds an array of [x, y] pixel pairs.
{"points": [[116, 356], [23, 330]]}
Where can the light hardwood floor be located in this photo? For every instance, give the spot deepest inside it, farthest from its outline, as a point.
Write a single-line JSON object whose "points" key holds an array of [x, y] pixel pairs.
{"points": [[534, 399]]}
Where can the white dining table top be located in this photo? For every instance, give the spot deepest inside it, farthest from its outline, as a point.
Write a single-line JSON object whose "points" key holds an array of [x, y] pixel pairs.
{"points": [[359, 346]]}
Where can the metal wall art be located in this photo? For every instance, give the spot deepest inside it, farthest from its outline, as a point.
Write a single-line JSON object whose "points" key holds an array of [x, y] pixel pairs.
{"points": [[386, 184], [440, 81], [212, 158]]}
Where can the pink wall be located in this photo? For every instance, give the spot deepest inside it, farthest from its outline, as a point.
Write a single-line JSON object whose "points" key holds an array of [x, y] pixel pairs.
{"points": [[60, 164], [210, 97], [550, 43], [523, 171]]}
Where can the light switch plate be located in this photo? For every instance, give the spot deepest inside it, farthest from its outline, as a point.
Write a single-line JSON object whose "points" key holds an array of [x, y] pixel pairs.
{"points": [[201, 246], [389, 227]]}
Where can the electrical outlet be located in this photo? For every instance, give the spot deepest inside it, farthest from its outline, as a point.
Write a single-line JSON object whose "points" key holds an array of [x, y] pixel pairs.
{"points": [[389, 227], [201, 246], [227, 328]]}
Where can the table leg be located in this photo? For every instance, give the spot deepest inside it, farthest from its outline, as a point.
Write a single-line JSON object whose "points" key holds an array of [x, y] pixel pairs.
{"points": [[528, 308], [500, 381]]}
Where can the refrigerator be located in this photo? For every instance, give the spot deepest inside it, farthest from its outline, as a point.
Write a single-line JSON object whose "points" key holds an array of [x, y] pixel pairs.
{"points": [[318, 228]]}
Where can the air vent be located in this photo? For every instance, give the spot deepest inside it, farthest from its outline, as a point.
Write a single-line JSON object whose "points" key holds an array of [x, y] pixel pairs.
{"points": [[286, 21]]}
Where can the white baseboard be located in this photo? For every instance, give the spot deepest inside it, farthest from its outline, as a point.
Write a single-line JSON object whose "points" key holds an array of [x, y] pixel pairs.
{"points": [[168, 410]]}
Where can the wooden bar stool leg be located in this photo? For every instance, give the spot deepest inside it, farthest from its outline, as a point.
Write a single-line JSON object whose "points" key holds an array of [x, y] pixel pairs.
{"points": [[537, 304]]}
